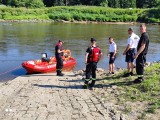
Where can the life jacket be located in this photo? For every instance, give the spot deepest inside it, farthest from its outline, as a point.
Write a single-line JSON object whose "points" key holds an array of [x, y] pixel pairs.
{"points": [[58, 44], [95, 53]]}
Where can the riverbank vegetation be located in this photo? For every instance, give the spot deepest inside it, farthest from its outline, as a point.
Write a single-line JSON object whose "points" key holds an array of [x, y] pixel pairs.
{"points": [[82, 10], [81, 13], [147, 93]]}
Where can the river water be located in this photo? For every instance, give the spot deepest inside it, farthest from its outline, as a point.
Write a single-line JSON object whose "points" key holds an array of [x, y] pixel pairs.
{"points": [[26, 41]]}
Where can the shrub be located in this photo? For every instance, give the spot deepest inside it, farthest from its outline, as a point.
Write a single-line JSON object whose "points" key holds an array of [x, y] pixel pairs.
{"points": [[77, 17], [79, 13]]}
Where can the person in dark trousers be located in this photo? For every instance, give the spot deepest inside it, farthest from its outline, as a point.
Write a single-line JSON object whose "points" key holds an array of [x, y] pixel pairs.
{"points": [[112, 55], [130, 51], [58, 54], [93, 54], [140, 56]]}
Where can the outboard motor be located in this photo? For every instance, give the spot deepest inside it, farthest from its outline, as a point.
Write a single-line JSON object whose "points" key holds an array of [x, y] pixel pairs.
{"points": [[44, 57]]}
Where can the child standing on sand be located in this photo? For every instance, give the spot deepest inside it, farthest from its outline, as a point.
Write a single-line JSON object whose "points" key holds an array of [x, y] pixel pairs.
{"points": [[112, 54]]}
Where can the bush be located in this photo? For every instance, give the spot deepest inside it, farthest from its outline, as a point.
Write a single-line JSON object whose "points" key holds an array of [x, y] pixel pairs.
{"points": [[26, 3], [150, 16], [35, 4], [79, 13]]}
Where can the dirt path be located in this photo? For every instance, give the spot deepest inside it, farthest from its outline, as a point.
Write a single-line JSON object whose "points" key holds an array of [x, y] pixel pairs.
{"points": [[48, 97]]}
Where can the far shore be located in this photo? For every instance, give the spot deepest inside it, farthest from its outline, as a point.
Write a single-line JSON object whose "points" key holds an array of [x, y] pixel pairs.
{"points": [[79, 22]]}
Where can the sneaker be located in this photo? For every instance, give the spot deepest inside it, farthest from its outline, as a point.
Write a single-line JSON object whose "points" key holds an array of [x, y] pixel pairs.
{"points": [[109, 73], [112, 72], [91, 88], [127, 75], [138, 80], [85, 86], [131, 73]]}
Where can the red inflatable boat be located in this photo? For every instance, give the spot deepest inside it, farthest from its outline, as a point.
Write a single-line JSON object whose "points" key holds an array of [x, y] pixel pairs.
{"points": [[37, 66]]}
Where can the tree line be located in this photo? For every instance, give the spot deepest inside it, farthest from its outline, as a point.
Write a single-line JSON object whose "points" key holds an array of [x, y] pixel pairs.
{"points": [[107, 3]]}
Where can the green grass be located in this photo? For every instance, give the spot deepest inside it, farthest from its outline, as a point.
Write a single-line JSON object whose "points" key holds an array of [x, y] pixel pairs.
{"points": [[81, 13], [148, 91]]}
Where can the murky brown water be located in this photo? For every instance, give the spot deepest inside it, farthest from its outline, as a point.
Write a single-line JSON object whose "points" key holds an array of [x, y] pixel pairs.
{"points": [[26, 41]]}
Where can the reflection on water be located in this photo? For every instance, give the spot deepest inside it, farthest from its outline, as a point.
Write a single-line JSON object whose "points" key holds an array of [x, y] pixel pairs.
{"points": [[26, 41]]}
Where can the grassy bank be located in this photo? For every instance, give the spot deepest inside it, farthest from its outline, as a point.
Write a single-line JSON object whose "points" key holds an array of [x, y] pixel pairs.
{"points": [[82, 13], [146, 93]]}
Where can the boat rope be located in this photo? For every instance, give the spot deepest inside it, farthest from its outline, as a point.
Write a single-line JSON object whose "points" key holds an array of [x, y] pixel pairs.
{"points": [[15, 68]]}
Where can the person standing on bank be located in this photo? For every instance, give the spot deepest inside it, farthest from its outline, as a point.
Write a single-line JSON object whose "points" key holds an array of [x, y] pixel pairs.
{"points": [[140, 56], [93, 55], [59, 53], [112, 55], [130, 51]]}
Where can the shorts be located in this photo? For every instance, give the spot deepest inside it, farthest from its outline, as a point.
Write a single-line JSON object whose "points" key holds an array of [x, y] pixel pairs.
{"points": [[111, 60], [130, 55]]}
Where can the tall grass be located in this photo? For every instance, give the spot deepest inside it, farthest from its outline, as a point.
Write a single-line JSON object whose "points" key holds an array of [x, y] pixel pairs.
{"points": [[147, 90], [81, 13]]}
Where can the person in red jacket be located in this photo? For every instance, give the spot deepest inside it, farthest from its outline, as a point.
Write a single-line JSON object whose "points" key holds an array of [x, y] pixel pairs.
{"points": [[93, 54]]}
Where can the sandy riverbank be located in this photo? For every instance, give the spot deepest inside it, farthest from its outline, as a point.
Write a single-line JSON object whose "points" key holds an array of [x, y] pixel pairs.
{"points": [[76, 22], [63, 21]]}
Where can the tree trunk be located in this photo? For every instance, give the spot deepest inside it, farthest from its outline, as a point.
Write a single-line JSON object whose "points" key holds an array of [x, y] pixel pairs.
{"points": [[66, 2]]}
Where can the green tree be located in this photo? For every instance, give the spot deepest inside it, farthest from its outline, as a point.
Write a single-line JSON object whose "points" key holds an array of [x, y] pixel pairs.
{"points": [[3, 2], [59, 3], [104, 3], [25, 3], [99, 2], [127, 4], [49, 3], [72, 2], [110, 3], [95, 2], [114, 3], [147, 3], [18, 3], [86, 2], [35, 4]]}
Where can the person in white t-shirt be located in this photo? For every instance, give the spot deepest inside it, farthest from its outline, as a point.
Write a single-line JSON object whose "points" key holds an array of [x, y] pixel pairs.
{"points": [[130, 51], [112, 55]]}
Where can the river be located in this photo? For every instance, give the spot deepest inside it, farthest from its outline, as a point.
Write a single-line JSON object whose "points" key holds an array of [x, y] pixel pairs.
{"points": [[26, 41]]}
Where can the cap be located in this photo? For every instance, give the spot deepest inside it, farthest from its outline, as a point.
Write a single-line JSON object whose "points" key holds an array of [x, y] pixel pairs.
{"points": [[93, 39]]}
